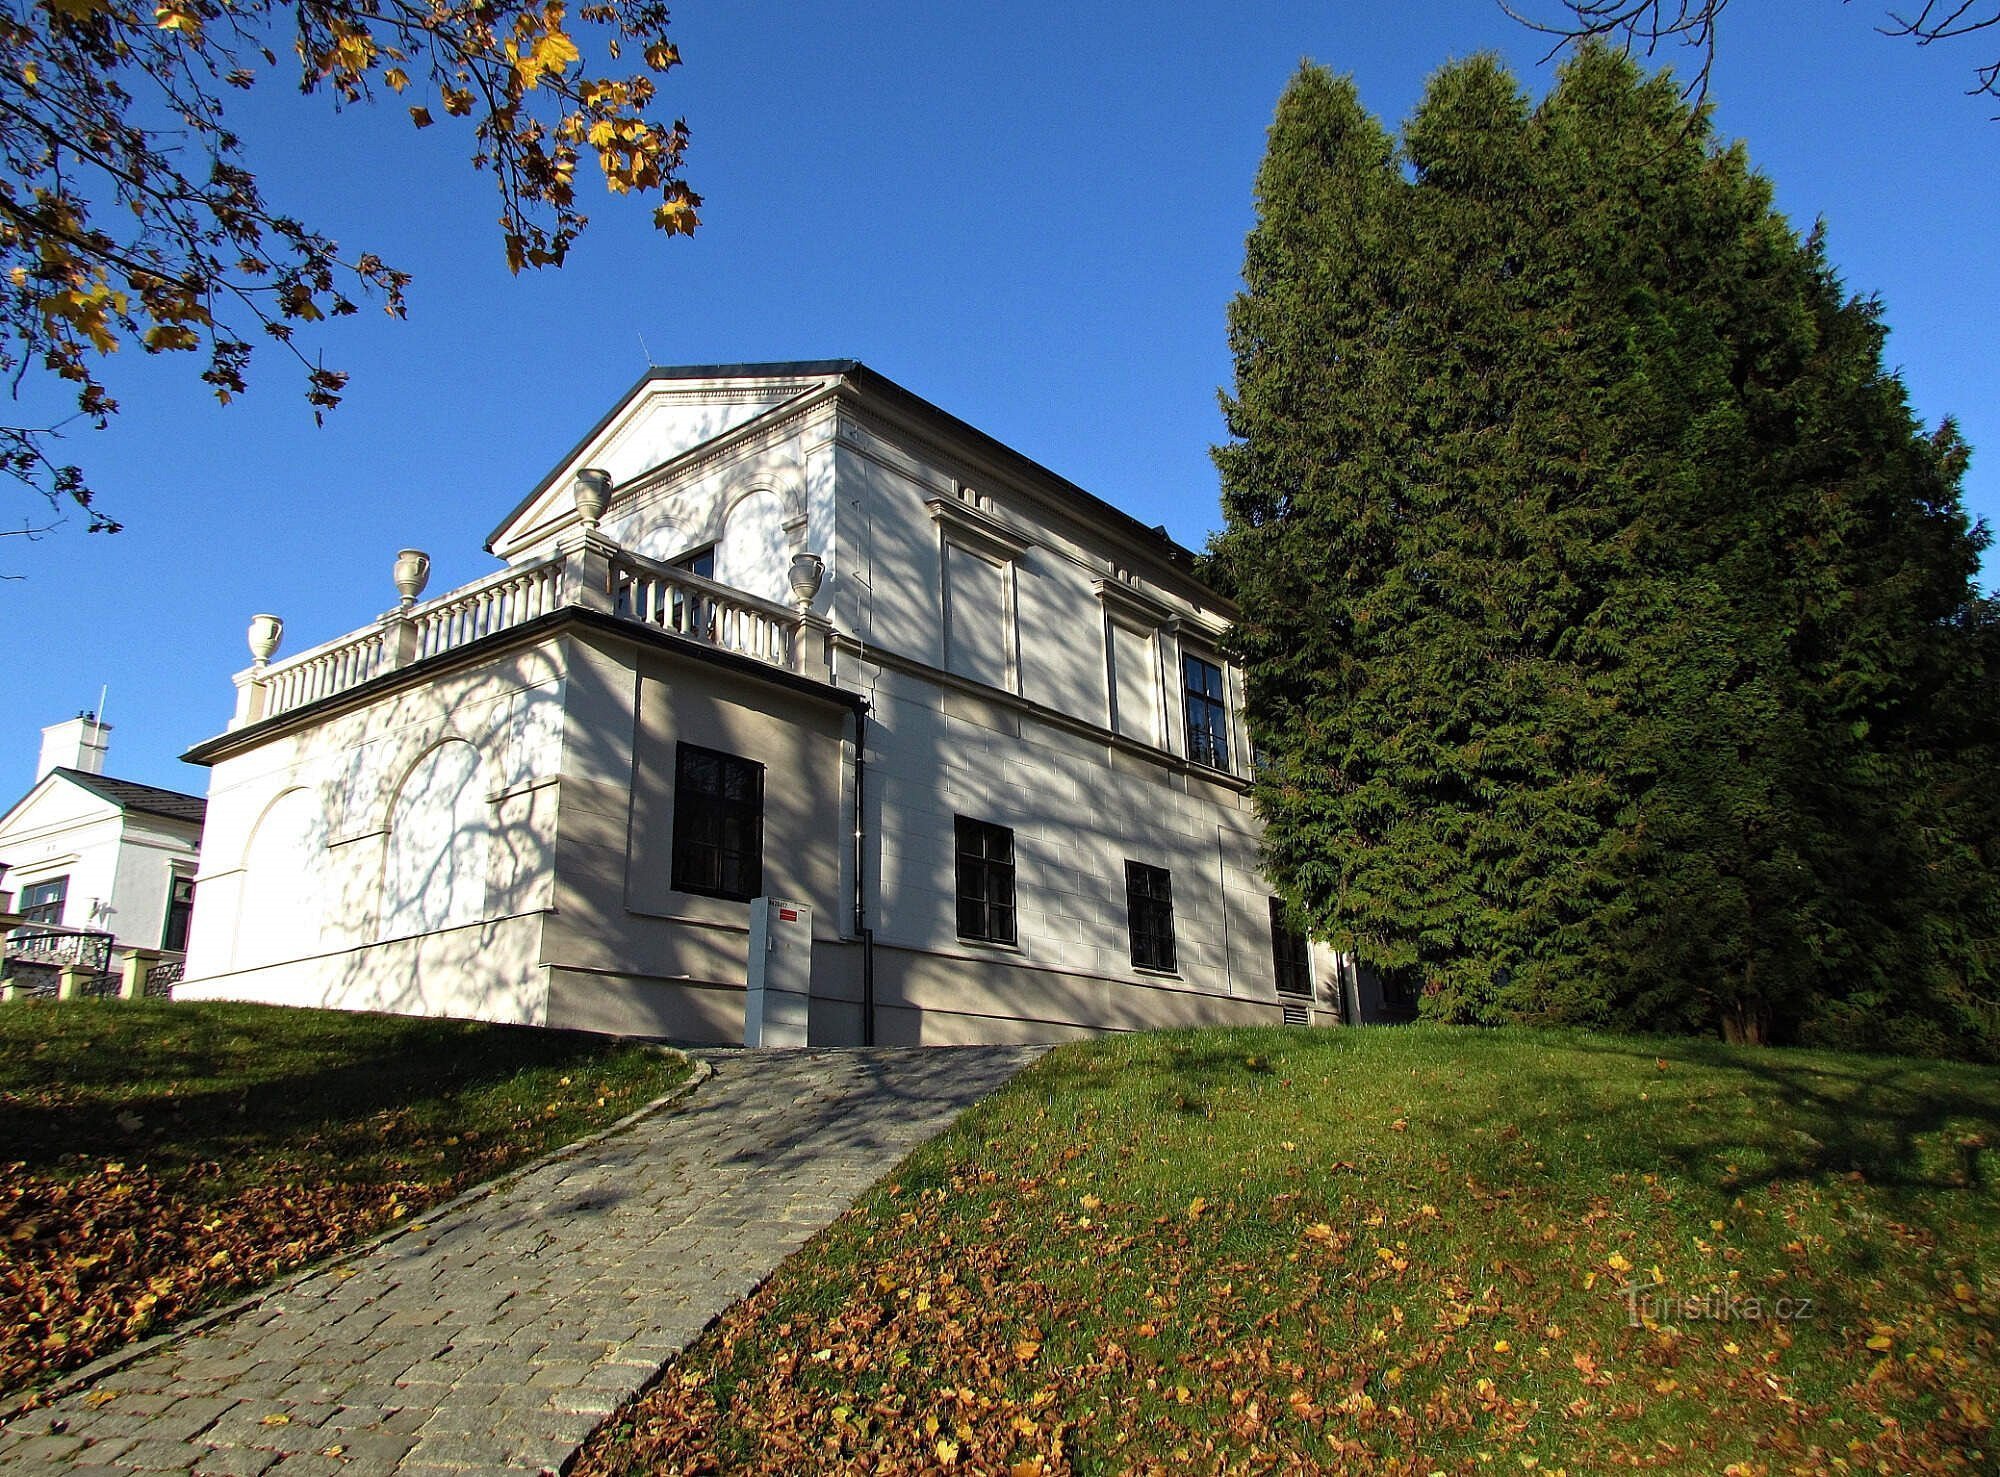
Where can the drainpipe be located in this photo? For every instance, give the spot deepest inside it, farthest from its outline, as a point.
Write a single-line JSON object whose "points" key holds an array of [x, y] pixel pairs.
{"points": [[861, 928]]}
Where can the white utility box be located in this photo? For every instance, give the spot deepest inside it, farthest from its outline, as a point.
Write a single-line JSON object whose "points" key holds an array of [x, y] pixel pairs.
{"points": [[781, 947]]}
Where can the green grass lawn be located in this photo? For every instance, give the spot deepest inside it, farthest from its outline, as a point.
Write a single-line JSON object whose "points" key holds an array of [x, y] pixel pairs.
{"points": [[1398, 1250], [156, 1156]]}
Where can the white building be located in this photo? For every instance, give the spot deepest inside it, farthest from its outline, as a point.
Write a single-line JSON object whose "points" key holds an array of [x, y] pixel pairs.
{"points": [[785, 631], [93, 855]]}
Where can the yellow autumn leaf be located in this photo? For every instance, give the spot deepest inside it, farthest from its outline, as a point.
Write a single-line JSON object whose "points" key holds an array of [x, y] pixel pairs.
{"points": [[421, 117], [947, 1450], [1195, 1207], [1880, 1342], [1617, 1262], [170, 19], [551, 54], [1319, 1231], [1026, 1349], [166, 337]]}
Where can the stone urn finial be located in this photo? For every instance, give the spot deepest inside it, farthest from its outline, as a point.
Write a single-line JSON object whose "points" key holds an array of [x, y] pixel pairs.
{"points": [[413, 572], [592, 492], [266, 631], [807, 571]]}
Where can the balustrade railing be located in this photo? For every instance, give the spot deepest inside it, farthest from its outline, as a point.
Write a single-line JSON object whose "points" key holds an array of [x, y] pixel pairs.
{"points": [[323, 671], [496, 603], [685, 603], [639, 589]]}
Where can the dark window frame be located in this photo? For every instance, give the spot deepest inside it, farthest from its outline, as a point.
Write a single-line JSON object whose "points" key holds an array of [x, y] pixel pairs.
{"points": [[1149, 915], [705, 862], [1205, 710], [1291, 956], [694, 558], [180, 911], [984, 868], [39, 910]]}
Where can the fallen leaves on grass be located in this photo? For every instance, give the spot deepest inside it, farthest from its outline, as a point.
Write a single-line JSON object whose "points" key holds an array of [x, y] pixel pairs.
{"points": [[110, 1255], [1021, 1302]]}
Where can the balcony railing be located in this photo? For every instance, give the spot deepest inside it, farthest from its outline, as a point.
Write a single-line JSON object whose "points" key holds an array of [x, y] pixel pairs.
{"points": [[685, 603], [591, 575], [54, 947]]}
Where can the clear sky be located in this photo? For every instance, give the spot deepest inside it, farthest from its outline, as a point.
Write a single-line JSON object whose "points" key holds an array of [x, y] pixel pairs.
{"points": [[1031, 215]]}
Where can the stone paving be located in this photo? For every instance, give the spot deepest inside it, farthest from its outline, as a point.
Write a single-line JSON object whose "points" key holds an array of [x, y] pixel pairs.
{"points": [[496, 1336]]}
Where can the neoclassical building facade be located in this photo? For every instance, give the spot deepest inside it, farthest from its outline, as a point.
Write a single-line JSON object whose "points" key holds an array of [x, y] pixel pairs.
{"points": [[776, 634]]}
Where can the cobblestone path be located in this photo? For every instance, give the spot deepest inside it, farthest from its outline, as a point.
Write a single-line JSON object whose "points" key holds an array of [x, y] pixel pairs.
{"points": [[497, 1336]]}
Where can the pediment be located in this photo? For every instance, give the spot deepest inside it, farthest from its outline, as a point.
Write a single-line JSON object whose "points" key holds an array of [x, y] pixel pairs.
{"points": [[666, 415], [54, 803]]}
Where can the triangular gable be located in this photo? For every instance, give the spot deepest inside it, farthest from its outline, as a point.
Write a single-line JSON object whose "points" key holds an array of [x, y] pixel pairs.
{"points": [[668, 413], [54, 801]]}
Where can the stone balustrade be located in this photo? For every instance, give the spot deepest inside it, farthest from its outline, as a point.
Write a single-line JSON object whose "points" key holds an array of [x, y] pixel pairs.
{"points": [[587, 573]]}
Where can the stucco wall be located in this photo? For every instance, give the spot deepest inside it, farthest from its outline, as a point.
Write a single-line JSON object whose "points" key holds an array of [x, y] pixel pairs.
{"points": [[301, 850], [119, 865], [627, 951]]}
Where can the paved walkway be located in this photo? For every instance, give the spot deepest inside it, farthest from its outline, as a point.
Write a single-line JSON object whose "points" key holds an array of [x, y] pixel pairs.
{"points": [[500, 1334]]}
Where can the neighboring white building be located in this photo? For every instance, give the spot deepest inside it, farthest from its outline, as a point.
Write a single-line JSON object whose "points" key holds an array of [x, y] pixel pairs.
{"points": [[780, 630], [85, 852]]}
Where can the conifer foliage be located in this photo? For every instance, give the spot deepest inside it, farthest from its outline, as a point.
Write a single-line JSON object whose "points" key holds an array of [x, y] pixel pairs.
{"points": [[1611, 627]]}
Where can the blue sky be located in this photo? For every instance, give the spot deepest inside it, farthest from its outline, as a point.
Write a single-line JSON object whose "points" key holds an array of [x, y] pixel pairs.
{"points": [[1032, 215]]}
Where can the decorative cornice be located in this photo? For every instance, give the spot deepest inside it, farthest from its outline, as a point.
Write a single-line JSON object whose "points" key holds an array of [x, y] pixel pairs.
{"points": [[1135, 604], [968, 525]]}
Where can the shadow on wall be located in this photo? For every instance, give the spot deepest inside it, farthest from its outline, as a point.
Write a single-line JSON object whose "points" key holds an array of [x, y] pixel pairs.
{"points": [[394, 873]]}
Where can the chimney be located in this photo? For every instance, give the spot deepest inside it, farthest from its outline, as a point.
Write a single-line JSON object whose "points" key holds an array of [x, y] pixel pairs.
{"points": [[78, 744]]}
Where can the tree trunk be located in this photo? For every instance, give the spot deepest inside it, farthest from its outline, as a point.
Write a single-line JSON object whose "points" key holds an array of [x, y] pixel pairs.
{"points": [[1746, 1024]]}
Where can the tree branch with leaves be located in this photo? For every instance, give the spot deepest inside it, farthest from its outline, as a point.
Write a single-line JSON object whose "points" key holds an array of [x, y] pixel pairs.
{"points": [[127, 215]]}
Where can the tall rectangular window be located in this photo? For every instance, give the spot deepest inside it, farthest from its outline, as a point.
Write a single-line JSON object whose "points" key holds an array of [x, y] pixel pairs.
{"points": [[718, 823], [1291, 955], [180, 908], [42, 902], [985, 881], [1207, 711], [1149, 904]]}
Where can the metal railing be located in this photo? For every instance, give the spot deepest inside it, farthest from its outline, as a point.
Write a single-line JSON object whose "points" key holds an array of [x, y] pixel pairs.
{"points": [[48, 946], [162, 977]]}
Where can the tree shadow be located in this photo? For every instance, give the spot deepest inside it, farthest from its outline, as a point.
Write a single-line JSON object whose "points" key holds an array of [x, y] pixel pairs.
{"points": [[316, 1094]]}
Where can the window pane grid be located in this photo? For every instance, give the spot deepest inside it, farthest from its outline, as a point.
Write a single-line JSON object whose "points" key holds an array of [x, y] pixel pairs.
{"points": [[1290, 954], [43, 902], [718, 824], [985, 881], [1207, 712], [1149, 903]]}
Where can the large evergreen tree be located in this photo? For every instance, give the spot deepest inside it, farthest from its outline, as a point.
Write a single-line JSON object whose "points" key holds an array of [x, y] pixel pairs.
{"points": [[1609, 622]]}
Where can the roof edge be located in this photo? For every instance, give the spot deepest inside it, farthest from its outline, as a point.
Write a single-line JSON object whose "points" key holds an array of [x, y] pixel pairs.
{"points": [[663, 373]]}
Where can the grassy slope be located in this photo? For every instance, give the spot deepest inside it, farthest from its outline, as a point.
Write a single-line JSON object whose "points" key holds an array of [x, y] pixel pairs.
{"points": [[154, 1157], [1389, 1250]]}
